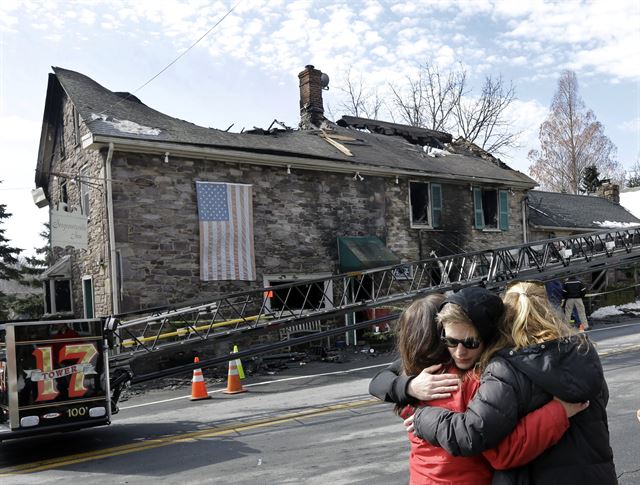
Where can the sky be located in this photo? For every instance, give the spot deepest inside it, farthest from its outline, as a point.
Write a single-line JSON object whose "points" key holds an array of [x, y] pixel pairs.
{"points": [[244, 72]]}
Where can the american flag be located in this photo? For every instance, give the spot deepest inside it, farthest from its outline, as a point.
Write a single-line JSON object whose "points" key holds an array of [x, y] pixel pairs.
{"points": [[225, 212]]}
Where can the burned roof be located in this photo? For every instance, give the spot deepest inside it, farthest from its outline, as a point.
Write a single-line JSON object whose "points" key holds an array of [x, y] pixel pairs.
{"points": [[413, 134], [120, 118], [553, 209]]}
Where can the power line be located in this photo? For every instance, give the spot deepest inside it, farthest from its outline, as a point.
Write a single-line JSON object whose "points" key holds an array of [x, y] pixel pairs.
{"points": [[172, 62]]}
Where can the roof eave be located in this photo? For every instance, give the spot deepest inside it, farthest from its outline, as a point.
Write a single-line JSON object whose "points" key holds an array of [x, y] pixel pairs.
{"points": [[94, 141]]}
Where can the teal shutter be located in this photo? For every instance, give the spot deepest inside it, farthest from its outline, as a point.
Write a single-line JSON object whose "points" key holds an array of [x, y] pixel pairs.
{"points": [[504, 210], [436, 205], [477, 208]]}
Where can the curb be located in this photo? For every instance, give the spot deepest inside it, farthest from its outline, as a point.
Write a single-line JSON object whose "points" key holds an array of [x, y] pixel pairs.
{"points": [[624, 350]]}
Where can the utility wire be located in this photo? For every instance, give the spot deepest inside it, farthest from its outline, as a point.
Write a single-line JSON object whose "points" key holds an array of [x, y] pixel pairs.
{"points": [[171, 63]]}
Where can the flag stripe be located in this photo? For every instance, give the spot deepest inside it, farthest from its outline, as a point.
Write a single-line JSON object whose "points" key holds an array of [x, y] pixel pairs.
{"points": [[226, 231]]}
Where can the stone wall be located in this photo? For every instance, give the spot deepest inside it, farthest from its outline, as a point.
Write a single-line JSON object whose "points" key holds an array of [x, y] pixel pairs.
{"points": [[69, 160], [297, 218]]}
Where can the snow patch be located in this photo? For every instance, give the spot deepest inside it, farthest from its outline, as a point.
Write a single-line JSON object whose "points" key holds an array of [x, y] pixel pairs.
{"points": [[614, 224], [435, 152], [608, 311], [126, 126]]}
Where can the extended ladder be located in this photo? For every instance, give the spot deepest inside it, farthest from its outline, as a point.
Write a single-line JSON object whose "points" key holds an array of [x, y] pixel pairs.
{"points": [[276, 307]]}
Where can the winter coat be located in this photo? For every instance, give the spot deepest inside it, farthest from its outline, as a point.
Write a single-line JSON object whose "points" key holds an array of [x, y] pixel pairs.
{"points": [[432, 465], [390, 385], [517, 382], [574, 289]]}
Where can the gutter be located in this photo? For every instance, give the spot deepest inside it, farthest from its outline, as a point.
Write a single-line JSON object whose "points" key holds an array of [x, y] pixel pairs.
{"points": [[91, 141], [582, 229], [115, 294]]}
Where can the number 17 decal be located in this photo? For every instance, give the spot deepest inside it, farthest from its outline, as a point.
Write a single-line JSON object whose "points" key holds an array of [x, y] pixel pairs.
{"points": [[84, 355]]}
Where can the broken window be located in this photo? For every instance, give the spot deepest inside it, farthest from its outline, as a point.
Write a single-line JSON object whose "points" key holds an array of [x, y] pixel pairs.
{"points": [[425, 204], [57, 296], [491, 209]]}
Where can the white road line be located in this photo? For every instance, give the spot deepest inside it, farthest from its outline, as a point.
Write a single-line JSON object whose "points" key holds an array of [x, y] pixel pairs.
{"points": [[261, 384], [609, 327]]}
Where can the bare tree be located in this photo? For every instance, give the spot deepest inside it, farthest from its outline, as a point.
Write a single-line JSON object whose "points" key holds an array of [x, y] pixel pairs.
{"points": [[571, 139], [430, 99], [361, 100], [482, 120]]}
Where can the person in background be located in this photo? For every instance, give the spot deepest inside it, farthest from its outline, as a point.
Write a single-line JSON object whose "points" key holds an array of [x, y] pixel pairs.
{"points": [[555, 293], [466, 323], [573, 292], [537, 356]]}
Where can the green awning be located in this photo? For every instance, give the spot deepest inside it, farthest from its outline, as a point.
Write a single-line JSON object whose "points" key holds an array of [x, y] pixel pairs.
{"points": [[365, 252]]}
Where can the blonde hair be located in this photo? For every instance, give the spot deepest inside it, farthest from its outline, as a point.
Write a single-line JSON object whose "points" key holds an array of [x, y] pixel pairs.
{"points": [[452, 313], [528, 319]]}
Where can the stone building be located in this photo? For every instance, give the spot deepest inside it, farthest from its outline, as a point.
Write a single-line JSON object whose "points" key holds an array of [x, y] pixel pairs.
{"points": [[407, 192]]}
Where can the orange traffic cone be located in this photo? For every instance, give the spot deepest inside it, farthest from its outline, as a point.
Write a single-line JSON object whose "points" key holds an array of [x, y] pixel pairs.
{"points": [[233, 381], [198, 387], [581, 328]]}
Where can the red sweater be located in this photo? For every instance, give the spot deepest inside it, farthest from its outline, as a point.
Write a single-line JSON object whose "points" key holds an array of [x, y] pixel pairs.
{"points": [[536, 432]]}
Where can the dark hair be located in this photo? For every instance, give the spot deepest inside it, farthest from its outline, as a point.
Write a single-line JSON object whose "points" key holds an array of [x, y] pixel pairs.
{"points": [[418, 335]]}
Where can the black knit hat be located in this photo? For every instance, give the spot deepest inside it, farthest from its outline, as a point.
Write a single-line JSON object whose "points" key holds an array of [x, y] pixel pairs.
{"points": [[483, 308]]}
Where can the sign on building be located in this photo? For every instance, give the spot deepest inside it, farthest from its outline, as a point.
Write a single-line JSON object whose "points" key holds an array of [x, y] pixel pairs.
{"points": [[68, 229]]}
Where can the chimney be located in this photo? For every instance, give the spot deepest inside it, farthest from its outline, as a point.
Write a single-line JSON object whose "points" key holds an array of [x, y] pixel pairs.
{"points": [[610, 192], [311, 109]]}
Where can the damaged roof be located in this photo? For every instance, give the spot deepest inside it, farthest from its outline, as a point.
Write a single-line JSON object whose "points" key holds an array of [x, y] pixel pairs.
{"points": [[570, 211], [120, 118]]}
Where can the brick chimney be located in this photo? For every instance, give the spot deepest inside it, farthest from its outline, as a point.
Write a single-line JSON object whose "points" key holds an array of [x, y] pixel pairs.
{"points": [[610, 192], [311, 109]]}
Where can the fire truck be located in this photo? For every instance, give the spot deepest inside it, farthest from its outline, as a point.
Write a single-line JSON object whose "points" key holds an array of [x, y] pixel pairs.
{"points": [[61, 375]]}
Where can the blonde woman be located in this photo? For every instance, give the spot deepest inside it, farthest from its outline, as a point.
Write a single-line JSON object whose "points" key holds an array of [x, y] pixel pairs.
{"points": [[536, 356]]}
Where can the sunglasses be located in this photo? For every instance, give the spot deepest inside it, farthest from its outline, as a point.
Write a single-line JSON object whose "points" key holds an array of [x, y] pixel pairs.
{"points": [[468, 343]]}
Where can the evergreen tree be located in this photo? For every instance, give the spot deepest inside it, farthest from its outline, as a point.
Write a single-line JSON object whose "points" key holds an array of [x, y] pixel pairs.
{"points": [[8, 260], [590, 179]]}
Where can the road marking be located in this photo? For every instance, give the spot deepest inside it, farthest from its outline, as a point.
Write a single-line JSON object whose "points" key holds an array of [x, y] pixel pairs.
{"points": [[285, 379], [37, 466], [619, 350], [609, 327]]}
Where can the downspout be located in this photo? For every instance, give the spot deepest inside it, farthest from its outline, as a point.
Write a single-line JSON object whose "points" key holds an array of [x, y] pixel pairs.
{"points": [[524, 219], [113, 264]]}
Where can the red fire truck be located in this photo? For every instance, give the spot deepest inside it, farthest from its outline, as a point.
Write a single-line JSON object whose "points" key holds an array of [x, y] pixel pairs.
{"points": [[53, 377]]}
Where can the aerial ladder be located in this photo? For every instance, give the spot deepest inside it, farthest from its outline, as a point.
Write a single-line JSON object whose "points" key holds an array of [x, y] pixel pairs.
{"points": [[154, 343]]}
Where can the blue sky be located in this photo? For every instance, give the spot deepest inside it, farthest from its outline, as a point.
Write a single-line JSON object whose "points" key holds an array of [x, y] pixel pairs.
{"points": [[245, 71]]}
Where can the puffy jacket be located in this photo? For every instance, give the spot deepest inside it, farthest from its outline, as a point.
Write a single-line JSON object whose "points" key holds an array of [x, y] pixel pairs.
{"points": [[390, 385], [574, 289], [517, 382]]}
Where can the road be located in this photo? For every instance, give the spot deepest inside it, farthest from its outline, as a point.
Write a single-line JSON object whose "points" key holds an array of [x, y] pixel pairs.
{"points": [[311, 425]]}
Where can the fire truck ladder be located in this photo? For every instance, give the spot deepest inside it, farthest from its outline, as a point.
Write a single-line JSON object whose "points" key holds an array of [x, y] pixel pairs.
{"points": [[277, 307]]}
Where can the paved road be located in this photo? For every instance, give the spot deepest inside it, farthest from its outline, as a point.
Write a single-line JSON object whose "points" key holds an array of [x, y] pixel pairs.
{"points": [[315, 429]]}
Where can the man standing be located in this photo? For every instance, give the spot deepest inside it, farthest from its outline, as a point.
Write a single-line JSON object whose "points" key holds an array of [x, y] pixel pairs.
{"points": [[573, 292]]}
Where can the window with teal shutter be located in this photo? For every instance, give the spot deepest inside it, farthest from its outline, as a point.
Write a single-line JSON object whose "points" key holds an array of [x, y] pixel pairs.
{"points": [[436, 205], [477, 208], [504, 210]]}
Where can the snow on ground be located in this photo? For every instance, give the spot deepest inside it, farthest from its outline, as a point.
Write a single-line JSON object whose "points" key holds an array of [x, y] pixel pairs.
{"points": [[608, 311]]}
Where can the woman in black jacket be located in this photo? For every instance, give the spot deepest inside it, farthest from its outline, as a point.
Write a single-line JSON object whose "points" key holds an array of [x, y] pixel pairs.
{"points": [[536, 357]]}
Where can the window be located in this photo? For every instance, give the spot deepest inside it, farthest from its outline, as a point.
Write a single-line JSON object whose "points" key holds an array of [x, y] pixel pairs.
{"points": [[425, 204], [64, 195], [304, 297], [57, 296], [87, 296], [491, 209], [84, 190]]}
